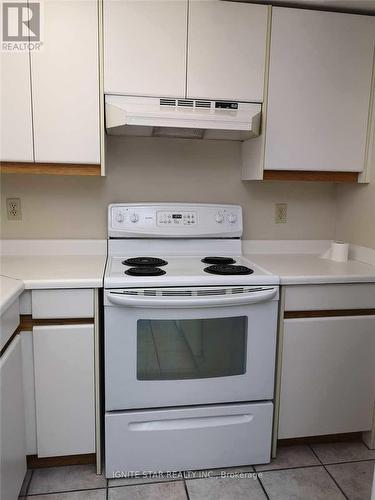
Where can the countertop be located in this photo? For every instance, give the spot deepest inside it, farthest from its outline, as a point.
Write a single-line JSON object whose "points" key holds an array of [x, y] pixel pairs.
{"points": [[305, 268], [54, 263], [55, 271], [10, 289]]}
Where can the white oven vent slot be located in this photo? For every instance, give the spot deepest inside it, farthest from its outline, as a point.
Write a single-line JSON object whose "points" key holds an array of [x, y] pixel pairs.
{"points": [[204, 293], [176, 293], [186, 103], [167, 102]]}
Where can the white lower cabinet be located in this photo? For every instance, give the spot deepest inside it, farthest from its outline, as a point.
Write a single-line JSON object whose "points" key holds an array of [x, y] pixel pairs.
{"points": [[328, 376], [12, 422], [188, 438], [64, 389], [29, 390]]}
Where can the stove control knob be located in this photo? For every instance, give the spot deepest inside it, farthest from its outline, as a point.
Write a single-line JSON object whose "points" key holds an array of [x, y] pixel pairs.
{"points": [[134, 218], [232, 218], [219, 218], [120, 217]]}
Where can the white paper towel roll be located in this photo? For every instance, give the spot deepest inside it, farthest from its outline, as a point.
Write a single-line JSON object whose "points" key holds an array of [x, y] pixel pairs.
{"points": [[339, 251]]}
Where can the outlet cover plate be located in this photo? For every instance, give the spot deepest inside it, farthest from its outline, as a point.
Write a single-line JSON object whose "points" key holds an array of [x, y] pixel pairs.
{"points": [[281, 212], [14, 209]]}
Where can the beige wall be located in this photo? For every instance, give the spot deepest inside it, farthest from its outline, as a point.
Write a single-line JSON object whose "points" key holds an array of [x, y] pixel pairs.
{"points": [[355, 221], [165, 170]]}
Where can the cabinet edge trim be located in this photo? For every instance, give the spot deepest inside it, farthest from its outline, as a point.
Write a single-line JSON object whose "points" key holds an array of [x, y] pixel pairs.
{"points": [[331, 313], [304, 175], [89, 169], [28, 322]]}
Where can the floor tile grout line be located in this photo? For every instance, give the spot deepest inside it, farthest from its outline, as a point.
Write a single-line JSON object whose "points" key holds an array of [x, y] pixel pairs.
{"points": [[147, 482], [330, 475], [28, 484], [288, 468], [263, 487], [316, 465], [351, 461], [64, 491], [186, 490]]}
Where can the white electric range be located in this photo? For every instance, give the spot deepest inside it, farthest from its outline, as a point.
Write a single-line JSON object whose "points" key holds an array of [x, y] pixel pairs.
{"points": [[190, 336]]}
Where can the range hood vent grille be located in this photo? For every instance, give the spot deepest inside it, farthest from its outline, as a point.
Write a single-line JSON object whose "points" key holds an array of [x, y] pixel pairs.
{"points": [[167, 102], [202, 104], [185, 103]]}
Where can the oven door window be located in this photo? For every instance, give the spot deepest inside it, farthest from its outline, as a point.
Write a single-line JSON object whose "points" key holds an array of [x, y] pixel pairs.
{"points": [[191, 348]]}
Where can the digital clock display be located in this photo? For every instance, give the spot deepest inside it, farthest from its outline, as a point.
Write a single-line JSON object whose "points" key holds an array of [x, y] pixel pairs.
{"points": [[176, 216]]}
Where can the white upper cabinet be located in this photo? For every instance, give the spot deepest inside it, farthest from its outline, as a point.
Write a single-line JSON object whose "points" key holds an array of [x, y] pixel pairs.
{"points": [[16, 139], [65, 84], [319, 90], [226, 50], [145, 47]]}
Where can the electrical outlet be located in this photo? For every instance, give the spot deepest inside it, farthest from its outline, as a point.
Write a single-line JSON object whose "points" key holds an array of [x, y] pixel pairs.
{"points": [[281, 211], [14, 209]]}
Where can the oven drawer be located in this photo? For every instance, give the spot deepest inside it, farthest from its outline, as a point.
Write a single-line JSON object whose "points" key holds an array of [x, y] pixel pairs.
{"points": [[204, 437]]}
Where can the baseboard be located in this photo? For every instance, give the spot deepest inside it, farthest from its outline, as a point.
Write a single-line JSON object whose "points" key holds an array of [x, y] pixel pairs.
{"points": [[327, 438], [34, 462]]}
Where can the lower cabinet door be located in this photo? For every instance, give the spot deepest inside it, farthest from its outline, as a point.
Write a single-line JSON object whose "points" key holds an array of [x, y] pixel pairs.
{"points": [[12, 422], [187, 438], [64, 389], [328, 378]]}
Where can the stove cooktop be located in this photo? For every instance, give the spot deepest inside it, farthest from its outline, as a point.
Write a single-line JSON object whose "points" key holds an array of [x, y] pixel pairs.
{"points": [[183, 270]]}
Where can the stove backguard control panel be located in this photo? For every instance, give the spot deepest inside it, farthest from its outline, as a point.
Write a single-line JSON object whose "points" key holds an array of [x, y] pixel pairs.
{"points": [[174, 220]]}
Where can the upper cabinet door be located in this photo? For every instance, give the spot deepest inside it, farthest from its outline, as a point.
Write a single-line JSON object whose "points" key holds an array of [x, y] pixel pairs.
{"points": [[65, 84], [16, 139], [226, 50], [319, 90], [145, 47]]}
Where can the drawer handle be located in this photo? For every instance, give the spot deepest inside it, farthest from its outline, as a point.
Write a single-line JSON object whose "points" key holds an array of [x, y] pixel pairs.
{"points": [[190, 423]]}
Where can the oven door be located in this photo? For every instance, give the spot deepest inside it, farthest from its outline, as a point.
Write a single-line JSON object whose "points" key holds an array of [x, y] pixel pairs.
{"points": [[187, 346]]}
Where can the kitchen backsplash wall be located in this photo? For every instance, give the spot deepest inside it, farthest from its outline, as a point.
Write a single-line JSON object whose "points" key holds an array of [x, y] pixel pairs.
{"points": [[152, 169], [355, 220]]}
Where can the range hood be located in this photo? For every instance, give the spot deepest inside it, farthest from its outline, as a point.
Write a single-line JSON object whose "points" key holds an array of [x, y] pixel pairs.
{"points": [[185, 118]]}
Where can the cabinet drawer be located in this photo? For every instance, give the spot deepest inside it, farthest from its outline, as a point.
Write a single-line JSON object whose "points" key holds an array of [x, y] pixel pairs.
{"points": [[328, 297], [67, 303], [148, 440], [10, 319]]}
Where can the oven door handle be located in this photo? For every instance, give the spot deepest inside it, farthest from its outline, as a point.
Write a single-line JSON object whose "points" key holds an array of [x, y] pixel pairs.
{"points": [[261, 295]]}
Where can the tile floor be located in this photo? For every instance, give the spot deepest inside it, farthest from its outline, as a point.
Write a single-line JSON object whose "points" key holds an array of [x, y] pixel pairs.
{"points": [[336, 471]]}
